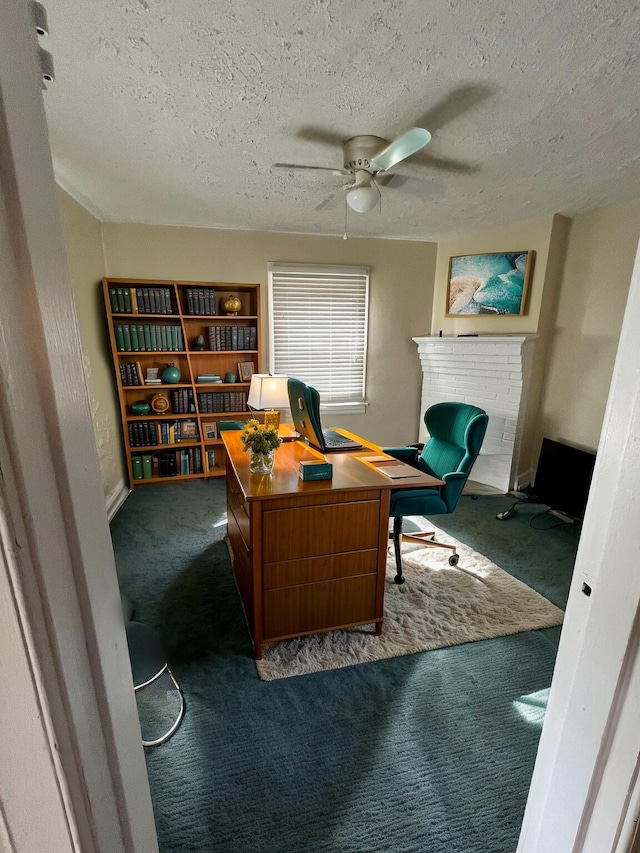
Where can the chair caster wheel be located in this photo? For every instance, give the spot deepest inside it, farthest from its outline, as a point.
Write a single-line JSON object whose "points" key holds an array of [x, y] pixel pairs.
{"points": [[454, 559], [398, 579]]}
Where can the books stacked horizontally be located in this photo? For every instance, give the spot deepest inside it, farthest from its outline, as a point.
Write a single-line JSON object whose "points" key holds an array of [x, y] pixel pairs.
{"points": [[208, 377]]}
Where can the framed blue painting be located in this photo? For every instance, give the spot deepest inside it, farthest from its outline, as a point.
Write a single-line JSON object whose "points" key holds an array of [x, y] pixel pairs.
{"points": [[493, 284]]}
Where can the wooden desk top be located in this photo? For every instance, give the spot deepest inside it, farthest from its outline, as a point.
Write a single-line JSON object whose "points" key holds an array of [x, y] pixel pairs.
{"points": [[349, 473]]}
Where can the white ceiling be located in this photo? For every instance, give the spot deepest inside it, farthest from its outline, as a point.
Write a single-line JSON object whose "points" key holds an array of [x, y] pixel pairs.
{"points": [[175, 112]]}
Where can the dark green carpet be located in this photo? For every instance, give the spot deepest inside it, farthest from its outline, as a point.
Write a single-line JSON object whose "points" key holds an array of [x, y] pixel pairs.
{"points": [[428, 752]]}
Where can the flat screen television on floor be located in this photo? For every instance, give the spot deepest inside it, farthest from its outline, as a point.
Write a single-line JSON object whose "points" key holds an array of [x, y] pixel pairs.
{"points": [[563, 477]]}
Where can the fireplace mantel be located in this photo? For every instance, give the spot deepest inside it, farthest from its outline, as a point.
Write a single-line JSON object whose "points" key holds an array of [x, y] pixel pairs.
{"points": [[489, 371]]}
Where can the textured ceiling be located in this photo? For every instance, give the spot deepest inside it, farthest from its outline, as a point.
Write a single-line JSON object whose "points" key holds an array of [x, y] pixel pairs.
{"points": [[175, 112]]}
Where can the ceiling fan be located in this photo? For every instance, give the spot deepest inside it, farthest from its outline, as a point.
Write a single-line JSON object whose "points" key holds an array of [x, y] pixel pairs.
{"points": [[366, 159]]}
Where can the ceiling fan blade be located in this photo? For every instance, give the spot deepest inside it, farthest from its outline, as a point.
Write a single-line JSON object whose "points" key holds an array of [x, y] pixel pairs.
{"points": [[317, 134], [401, 148], [331, 200], [458, 101], [445, 164], [393, 180], [425, 188], [301, 166]]}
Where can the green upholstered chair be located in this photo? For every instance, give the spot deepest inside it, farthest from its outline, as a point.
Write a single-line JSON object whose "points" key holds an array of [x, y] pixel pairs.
{"points": [[456, 432]]}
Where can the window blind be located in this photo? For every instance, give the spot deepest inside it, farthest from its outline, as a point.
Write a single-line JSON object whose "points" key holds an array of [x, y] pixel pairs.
{"points": [[318, 328]]}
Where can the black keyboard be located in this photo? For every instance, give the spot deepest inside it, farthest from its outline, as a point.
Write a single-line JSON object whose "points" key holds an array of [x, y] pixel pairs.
{"points": [[336, 441]]}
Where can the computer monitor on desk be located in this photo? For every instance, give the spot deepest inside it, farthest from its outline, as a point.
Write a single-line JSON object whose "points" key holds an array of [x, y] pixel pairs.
{"points": [[305, 411]]}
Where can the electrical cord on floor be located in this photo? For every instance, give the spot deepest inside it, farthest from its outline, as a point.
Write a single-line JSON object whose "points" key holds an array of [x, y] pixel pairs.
{"points": [[545, 527], [508, 513]]}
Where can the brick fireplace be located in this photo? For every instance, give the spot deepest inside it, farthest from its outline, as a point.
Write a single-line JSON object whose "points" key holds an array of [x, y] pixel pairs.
{"points": [[492, 372]]}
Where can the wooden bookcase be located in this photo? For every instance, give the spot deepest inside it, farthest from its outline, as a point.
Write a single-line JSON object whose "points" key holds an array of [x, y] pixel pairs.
{"points": [[154, 323]]}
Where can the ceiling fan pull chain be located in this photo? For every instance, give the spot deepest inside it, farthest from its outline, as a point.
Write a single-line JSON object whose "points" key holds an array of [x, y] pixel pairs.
{"points": [[346, 207], [375, 183]]}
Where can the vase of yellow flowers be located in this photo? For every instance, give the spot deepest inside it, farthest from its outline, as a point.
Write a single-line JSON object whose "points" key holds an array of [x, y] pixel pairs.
{"points": [[261, 443]]}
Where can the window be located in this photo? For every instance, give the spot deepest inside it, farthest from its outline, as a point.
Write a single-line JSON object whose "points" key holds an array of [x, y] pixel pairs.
{"points": [[318, 329]]}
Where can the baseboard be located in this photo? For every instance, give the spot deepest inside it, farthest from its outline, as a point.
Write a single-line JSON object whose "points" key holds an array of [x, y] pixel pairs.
{"points": [[117, 497], [524, 479]]}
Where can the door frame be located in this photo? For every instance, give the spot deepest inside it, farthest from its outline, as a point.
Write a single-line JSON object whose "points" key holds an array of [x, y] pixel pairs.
{"points": [[78, 779], [584, 792]]}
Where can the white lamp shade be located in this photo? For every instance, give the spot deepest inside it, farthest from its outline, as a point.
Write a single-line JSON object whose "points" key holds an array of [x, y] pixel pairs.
{"points": [[362, 199], [268, 392]]}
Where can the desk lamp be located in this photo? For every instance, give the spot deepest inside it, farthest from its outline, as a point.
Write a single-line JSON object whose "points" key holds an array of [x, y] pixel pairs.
{"points": [[269, 393]]}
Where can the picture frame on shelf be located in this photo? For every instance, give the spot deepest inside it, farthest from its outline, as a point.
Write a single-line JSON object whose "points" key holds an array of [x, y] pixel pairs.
{"points": [[189, 429], [493, 284], [210, 430], [245, 371]]}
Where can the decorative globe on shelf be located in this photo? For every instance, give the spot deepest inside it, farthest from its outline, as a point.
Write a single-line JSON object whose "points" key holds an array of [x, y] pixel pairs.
{"points": [[231, 305], [171, 374]]}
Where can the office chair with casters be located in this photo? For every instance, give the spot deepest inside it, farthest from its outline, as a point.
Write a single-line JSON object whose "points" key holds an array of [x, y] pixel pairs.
{"points": [[456, 432]]}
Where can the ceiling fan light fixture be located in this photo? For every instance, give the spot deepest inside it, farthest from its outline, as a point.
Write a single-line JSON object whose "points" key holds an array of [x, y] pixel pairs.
{"points": [[363, 199]]}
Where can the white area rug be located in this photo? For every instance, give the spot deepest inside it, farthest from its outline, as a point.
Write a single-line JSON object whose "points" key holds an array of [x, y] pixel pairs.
{"points": [[438, 605]]}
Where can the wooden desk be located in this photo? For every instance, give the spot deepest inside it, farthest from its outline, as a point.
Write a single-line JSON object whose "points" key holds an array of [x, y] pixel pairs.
{"points": [[309, 556]]}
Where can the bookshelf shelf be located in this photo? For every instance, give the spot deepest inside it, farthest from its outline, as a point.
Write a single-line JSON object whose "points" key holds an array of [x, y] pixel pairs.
{"points": [[156, 323]]}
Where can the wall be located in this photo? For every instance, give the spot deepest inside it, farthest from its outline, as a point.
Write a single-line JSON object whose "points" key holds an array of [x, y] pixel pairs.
{"points": [[546, 236], [83, 243], [532, 234], [593, 293], [399, 308]]}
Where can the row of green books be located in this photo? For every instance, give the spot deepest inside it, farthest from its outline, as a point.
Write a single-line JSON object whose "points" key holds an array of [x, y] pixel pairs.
{"points": [[140, 300], [148, 338], [145, 466]]}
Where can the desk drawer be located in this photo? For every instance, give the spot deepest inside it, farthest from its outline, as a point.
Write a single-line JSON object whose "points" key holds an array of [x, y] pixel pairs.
{"points": [[312, 531], [328, 567], [318, 606], [238, 508]]}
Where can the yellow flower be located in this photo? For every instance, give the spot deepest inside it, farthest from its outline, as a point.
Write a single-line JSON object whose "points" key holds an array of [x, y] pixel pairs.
{"points": [[258, 438]]}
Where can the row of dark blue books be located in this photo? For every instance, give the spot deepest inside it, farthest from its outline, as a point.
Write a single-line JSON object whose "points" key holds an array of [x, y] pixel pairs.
{"points": [[130, 373], [200, 300], [232, 338], [222, 401]]}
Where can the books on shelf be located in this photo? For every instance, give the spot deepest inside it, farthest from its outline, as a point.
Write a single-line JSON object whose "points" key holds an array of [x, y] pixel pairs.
{"points": [[147, 433], [144, 337], [232, 338], [222, 401], [141, 300], [182, 402], [200, 300], [130, 373], [182, 441]]}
